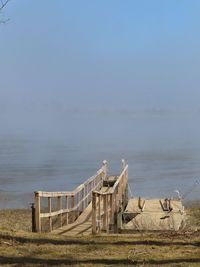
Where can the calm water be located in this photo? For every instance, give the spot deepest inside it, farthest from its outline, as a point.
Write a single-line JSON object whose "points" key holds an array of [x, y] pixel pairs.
{"points": [[59, 152]]}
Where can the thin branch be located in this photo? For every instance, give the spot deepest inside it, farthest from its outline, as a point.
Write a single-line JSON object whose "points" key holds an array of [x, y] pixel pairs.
{"points": [[3, 4]]}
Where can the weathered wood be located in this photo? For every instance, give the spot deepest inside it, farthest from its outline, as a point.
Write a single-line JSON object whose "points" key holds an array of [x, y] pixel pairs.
{"points": [[37, 212], [54, 194], [83, 196], [111, 209], [94, 213], [67, 206], [59, 207], [105, 213], [72, 206], [82, 199], [87, 195], [49, 210], [105, 168], [99, 212]]}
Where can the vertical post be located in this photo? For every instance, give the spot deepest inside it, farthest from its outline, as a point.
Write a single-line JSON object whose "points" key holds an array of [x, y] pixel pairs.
{"points": [[59, 207], [72, 206], [33, 217], [78, 204], [91, 191], [86, 194], [111, 209], [119, 218], [123, 164], [37, 212], [99, 212], [105, 212], [115, 212], [67, 206], [94, 213], [49, 210], [105, 168], [82, 197]]}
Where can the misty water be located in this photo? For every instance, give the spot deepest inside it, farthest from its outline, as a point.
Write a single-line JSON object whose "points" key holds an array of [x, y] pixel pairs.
{"points": [[59, 150]]}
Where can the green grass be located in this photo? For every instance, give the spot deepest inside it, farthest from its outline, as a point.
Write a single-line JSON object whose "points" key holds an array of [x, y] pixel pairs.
{"points": [[20, 247]]}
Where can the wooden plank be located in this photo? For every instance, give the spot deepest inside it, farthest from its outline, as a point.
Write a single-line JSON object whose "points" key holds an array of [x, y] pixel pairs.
{"points": [[72, 206], [83, 224], [87, 195], [82, 199], [49, 210], [99, 212], [59, 207], [105, 213], [37, 212], [54, 194], [67, 206], [94, 213], [111, 209]]}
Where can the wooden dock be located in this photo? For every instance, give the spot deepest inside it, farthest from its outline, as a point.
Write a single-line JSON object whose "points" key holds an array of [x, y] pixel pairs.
{"points": [[91, 208], [101, 204], [83, 224]]}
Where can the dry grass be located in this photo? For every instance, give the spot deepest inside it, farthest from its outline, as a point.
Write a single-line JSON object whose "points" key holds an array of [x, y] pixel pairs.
{"points": [[21, 248]]}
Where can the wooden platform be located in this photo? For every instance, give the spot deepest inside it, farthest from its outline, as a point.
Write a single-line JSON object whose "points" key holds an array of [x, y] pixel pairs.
{"points": [[83, 224], [153, 218]]}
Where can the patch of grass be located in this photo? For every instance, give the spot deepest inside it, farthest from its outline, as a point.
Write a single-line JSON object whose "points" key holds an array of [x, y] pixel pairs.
{"points": [[20, 247], [18, 219]]}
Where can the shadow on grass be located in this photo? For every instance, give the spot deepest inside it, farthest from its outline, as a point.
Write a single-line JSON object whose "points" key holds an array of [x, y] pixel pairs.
{"points": [[73, 241], [49, 262]]}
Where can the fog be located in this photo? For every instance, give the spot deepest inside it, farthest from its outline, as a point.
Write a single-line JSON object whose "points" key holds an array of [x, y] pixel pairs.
{"points": [[85, 81]]}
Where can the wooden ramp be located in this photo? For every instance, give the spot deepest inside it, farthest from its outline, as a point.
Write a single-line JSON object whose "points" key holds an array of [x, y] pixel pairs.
{"points": [[92, 207], [83, 224]]}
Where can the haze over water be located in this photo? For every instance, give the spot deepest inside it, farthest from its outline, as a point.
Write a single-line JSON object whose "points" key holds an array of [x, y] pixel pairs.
{"points": [[161, 148], [84, 81]]}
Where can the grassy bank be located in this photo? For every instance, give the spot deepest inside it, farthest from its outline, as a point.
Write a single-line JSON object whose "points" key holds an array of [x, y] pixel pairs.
{"points": [[20, 247]]}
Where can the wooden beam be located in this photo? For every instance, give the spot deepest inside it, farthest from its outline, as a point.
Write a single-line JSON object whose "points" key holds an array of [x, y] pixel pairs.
{"points": [[67, 206], [72, 206], [99, 212], [94, 213], [59, 207], [49, 210], [37, 212]]}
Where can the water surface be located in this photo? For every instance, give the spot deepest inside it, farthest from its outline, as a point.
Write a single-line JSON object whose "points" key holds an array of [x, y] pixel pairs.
{"points": [[56, 154]]}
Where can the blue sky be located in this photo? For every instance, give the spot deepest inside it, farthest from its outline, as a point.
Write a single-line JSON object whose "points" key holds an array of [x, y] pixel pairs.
{"points": [[135, 54]]}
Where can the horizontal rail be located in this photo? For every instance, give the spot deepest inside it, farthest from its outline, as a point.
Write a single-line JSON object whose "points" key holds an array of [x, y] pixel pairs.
{"points": [[78, 199], [106, 206]]}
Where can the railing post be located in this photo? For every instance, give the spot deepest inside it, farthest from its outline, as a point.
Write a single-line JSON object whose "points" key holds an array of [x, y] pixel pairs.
{"points": [[86, 194], [67, 206], [94, 213], [33, 217], [90, 191], [82, 201], [105, 213], [49, 210], [72, 206], [37, 212], [123, 164], [99, 212], [78, 204], [105, 168], [59, 207], [111, 210]]}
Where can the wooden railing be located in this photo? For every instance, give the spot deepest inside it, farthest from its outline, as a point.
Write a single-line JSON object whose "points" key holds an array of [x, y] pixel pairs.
{"points": [[67, 203], [107, 207]]}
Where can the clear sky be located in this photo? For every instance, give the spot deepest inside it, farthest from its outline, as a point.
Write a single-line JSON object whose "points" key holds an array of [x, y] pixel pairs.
{"points": [[100, 53]]}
